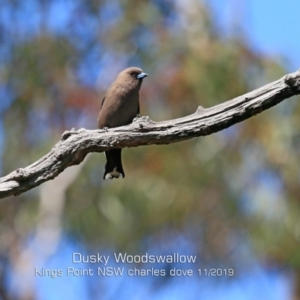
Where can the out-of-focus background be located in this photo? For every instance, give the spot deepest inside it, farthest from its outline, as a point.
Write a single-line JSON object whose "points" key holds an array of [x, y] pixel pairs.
{"points": [[230, 199]]}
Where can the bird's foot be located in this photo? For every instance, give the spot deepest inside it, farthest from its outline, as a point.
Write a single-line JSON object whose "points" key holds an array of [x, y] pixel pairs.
{"points": [[142, 122], [137, 117]]}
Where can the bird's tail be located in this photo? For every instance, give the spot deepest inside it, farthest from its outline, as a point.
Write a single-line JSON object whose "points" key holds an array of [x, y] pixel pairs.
{"points": [[113, 166]]}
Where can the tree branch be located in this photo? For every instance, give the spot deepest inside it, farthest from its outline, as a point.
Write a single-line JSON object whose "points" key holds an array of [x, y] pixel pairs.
{"points": [[75, 145]]}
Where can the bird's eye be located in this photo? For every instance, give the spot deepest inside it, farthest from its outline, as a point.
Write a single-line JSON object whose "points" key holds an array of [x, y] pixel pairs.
{"points": [[131, 73]]}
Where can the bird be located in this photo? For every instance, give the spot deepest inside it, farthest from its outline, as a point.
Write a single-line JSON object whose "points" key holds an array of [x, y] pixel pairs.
{"points": [[119, 107]]}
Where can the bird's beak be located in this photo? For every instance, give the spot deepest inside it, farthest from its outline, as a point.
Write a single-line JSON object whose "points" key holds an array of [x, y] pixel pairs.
{"points": [[142, 75]]}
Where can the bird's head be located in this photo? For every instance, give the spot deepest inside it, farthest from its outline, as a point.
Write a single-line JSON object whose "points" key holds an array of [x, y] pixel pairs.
{"points": [[132, 75]]}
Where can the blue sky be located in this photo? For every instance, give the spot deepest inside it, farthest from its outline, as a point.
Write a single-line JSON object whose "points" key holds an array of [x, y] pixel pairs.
{"points": [[271, 26]]}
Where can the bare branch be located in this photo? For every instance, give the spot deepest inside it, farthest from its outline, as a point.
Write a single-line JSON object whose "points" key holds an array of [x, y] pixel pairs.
{"points": [[75, 145]]}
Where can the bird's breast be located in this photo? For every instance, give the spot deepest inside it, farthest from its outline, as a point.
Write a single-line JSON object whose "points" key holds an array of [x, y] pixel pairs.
{"points": [[120, 107]]}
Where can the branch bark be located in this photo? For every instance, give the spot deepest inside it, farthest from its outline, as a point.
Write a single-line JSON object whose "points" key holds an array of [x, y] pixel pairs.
{"points": [[75, 145]]}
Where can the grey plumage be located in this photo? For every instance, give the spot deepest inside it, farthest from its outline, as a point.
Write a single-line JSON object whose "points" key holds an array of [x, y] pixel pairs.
{"points": [[119, 107]]}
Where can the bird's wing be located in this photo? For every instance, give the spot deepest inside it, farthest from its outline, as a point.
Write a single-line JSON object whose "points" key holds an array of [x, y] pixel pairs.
{"points": [[99, 124], [102, 102]]}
